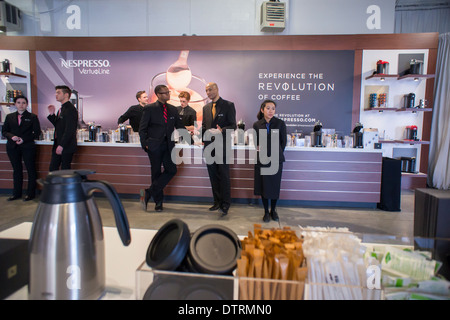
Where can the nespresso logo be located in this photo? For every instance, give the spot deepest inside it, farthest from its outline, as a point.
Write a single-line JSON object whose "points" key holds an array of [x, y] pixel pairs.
{"points": [[87, 63]]}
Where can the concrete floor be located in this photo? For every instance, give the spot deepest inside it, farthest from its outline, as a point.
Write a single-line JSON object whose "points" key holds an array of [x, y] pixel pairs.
{"points": [[241, 217]]}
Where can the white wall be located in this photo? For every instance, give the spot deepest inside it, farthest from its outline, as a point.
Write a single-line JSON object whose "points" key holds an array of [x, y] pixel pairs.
{"points": [[199, 17]]}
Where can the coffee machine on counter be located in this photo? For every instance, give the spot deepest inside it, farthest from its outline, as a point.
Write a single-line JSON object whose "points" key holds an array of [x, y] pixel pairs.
{"points": [[358, 136], [78, 103], [123, 133], [93, 129], [316, 135]]}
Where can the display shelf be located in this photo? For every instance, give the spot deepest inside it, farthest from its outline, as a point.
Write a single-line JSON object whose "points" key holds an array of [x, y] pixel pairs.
{"points": [[398, 77], [405, 141], [416, 76], [6, 103], [414, 110], [414, 174], [381, 109], [384, 76], [10, 74]]}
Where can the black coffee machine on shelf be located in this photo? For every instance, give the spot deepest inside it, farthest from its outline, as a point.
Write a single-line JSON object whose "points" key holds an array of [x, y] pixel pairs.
{"points": [[358, 136], [408, 164], [316, 135], [409, 100]]}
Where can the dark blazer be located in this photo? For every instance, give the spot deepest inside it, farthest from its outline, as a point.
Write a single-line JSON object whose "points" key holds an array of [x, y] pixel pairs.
{"points": [[65, 127], [274, 124], [189, 115], [134, 113], [225, 116], [29, 129], [153, 130]]}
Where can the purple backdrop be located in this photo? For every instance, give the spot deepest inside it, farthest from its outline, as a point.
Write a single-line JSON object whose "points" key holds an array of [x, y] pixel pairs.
{"points": [[307, 85]]}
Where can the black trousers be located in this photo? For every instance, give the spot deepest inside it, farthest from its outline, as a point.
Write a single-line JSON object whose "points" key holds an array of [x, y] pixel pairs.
{"points": [[219, 176], [158, 157], [64, 160], [28, 155]]}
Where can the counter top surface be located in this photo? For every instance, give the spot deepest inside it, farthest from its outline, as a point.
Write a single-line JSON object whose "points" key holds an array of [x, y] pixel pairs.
{"points": [[236, 147]]}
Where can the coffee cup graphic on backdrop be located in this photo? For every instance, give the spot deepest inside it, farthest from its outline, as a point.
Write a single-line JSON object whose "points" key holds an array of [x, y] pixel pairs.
{"points": [[178, 78]]}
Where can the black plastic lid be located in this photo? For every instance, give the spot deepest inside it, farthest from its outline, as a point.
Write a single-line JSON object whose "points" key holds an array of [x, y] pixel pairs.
{"points": [[164, 287], [214, 249], [169, 246], [64, 186]]}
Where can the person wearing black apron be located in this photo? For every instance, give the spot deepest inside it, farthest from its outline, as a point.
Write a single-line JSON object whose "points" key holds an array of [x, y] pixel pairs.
{"points": [[187, 114], [268, 185], [21, 128]]}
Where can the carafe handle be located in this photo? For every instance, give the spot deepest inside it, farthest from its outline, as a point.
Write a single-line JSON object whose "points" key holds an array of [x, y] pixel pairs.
{"points": [[119, 212]]}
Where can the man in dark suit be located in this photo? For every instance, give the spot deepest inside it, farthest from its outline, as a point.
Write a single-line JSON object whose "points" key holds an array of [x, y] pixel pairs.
{"points": [[21, 128], [134, 113], [158, 122], [65, 122], [218, 116]]}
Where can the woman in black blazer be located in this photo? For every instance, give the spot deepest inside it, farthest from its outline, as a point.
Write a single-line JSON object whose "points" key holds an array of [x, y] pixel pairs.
{"points": [[268, 185], [21, 128]]}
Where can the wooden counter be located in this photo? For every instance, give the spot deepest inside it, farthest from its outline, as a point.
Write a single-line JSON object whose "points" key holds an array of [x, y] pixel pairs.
{"points": [[310, 174]]}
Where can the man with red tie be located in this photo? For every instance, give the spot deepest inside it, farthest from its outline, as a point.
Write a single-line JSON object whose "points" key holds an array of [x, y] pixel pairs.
{"points": [[159, 120]]}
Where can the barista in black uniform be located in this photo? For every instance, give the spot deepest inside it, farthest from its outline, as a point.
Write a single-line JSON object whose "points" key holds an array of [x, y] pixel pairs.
{"points": [[268, 186], [21, 128], [187, 113], [65, 122], [134, 113]]}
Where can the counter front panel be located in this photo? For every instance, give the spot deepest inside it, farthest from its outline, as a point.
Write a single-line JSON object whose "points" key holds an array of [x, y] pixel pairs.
{"points": [[309, 174]]}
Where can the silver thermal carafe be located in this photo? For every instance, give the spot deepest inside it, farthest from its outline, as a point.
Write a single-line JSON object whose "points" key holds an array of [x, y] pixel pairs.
{"points": [[358, 136], [67, 251]]}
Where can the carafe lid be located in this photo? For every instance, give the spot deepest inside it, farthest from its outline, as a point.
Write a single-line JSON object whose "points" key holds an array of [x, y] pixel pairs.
{"points": [[67, 176], [64, 186]]}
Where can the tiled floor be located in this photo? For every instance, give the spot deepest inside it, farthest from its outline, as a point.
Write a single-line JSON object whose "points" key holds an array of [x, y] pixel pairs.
{"points": [[241, 217]]}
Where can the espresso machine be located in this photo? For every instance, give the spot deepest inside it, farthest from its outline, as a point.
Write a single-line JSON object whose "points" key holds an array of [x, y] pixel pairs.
{"points": [[316, 135], [358, 135], [78, 103]]}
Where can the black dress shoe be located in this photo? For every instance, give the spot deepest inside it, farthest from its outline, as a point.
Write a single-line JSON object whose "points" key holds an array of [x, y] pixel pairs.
{"points": [[159, 206], [266, 217], [146, 198], [274, 215], [223, 210], [13, 198], [28, 198], [215, 207]]}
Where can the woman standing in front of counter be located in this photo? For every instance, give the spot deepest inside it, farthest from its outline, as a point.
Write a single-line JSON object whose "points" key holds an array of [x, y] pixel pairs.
{"points": [[21, 128], [268, 185]]}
